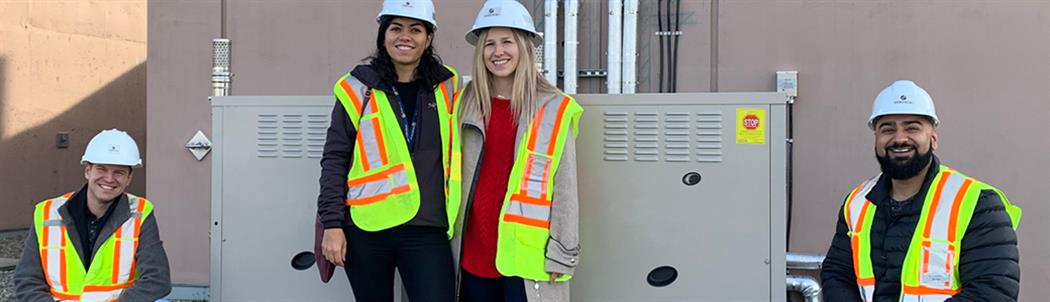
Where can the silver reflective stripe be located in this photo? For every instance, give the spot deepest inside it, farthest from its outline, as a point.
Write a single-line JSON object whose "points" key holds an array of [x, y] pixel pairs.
{"points": [[53, 222], [54, 241], [378, 187], [371, 144], [535, 181], [546, 130], [943, 215], [866, 292], [859, 202], [924, 298], [109, 295], [537, 212]]}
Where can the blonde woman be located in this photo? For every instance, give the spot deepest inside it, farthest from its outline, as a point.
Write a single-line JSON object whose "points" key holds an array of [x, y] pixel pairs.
{"points": [[520, 239]]}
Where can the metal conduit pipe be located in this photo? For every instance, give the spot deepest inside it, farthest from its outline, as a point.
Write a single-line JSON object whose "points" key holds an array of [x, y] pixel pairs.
{"points": [[571, 43], [615, 63], [630, 46], [550, 40], [805, 285], [802, 261]]}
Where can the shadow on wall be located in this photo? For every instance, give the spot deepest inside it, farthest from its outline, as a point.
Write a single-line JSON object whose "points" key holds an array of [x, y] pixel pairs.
{"points": [[33, 168]]}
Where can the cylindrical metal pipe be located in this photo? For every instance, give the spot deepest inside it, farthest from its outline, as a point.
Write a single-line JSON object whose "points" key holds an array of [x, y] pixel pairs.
{"points": [[804, 261], [805, 285], [550, 40], [221, 77], [615, 64], [630, 46], [571, 43]]}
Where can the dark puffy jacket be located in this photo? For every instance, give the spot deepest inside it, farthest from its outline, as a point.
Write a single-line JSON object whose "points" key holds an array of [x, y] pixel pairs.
{"points": [[988, 266]]}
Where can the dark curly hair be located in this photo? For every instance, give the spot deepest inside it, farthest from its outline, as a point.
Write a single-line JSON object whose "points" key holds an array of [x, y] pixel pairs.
{"points": [[429, 64]]}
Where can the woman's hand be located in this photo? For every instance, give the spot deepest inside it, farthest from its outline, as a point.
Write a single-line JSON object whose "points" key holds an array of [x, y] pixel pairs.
{"points": [[334, 246], [554, 277]]}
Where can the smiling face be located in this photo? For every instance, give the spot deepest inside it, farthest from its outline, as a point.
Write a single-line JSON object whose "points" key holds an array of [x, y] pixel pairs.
{"points": [[501, 52], [405, 39], [904, 144], [106, 182]]}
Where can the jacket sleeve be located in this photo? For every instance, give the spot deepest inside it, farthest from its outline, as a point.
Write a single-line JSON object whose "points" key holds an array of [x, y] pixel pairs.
{"points": [[335, 162], [837, 275], [151, 263], [563, 247], [30, 285], [989, 268]]}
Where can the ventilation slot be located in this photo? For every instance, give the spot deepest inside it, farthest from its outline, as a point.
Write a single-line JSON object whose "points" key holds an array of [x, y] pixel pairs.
{"points": [[709, 137], [676, 136], [615, 136], [646, 136]]}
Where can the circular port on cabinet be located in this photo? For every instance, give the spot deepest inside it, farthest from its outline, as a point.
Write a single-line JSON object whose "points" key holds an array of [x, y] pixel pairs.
{"points": [[303, 261], [662, 276]]}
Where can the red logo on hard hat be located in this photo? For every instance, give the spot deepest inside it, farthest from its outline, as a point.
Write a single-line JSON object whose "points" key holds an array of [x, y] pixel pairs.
{"points": [[751, 122]]}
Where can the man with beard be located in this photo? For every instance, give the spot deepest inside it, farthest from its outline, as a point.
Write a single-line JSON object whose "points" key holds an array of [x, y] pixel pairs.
{"points": [[920, 231]]}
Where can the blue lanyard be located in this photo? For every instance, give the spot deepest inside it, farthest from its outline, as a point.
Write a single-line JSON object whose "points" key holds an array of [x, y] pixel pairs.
{"points": [[409, 129]]}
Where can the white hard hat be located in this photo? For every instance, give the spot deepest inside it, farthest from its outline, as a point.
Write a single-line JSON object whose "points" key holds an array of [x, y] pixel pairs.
{"points": [[903, 97], [503, 13], [422, 10], [112, 147]]}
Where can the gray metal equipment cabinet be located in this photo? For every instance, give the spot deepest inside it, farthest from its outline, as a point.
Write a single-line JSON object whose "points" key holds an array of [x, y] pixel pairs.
{"points": [[682, 197]]}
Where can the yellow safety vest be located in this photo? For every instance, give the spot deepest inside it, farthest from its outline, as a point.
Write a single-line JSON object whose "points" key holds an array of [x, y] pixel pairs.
{"points": [[524, 225], [929, 272], [382, 191], [112, 266]]}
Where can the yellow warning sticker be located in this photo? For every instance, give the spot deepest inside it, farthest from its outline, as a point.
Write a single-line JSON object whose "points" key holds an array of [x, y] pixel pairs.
{"points": [[751, 126]]}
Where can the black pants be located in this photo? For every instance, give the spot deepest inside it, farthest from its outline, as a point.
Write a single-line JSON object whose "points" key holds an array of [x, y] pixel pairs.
{"points": [[481, 289], [422, 255]]}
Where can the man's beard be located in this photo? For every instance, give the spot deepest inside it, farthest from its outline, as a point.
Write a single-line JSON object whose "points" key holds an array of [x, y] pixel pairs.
{"points": [[905, 168]]}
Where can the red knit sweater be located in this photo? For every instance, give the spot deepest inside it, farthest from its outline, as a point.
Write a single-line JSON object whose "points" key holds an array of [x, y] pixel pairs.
{"points": [[479, 245]]}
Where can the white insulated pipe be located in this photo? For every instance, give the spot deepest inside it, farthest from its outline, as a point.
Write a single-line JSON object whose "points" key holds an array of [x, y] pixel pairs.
{"points": [[615, 61], [808, 286], [630, 46], [550, 40], [572, 8]]}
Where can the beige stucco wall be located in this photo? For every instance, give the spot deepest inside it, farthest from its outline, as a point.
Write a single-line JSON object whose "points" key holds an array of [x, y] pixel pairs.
{"points": [[70, 66], [985, 63]]}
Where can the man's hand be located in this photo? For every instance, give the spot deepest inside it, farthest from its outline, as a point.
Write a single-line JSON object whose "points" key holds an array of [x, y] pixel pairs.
{"points": [[554, 277], [334, 246]]}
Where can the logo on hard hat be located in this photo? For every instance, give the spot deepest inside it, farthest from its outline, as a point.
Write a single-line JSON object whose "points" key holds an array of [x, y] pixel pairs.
{"points": [[904, 100], [407, 4], [114, 149], [493, 11]]}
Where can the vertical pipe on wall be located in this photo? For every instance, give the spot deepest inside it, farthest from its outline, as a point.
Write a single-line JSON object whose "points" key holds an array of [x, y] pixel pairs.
{"points": [[550, 40], [630, 46], [714, 45], [572, 8], [615, 61]]}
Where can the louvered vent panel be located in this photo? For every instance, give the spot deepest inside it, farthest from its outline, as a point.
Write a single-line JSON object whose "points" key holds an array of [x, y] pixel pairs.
{"points": [[646, 136], [266, 133], [709, 136], [615, 136], [316, 131], [676, 136]]}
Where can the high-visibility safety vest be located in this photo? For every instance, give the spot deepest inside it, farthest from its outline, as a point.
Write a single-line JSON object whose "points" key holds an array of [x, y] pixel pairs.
{"points": [[112, 267], [930, 269], [382, 191], [524, 225]]}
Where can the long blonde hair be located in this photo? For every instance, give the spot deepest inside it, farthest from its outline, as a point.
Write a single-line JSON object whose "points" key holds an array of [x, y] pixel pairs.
{"points": [[529, 83]]}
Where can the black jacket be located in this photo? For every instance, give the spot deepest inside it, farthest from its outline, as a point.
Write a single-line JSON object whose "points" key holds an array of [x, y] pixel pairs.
{"points": [[426, 156], [988, 264]]}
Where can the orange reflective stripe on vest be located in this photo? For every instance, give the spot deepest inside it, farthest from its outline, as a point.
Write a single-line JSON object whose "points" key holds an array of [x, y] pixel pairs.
{"points": [[531, 204]]}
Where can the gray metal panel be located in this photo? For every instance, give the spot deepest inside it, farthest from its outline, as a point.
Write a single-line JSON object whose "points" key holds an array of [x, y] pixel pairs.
{"points": [[264, 200], [637, 214]]}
